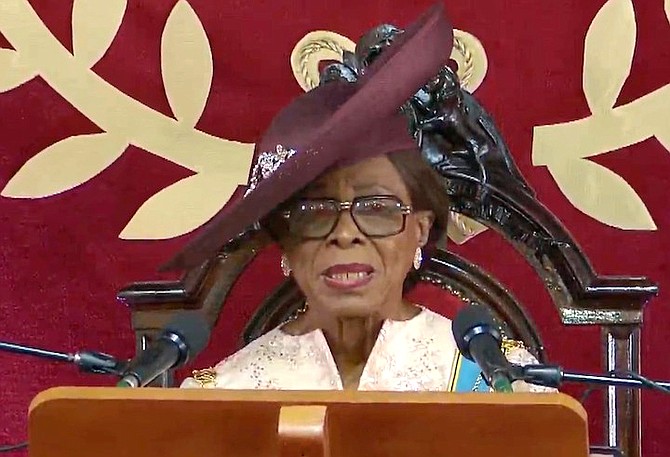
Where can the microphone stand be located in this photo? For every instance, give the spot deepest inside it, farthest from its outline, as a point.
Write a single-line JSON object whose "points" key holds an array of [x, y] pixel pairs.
{"points": [[89, 361], [554, 376]]}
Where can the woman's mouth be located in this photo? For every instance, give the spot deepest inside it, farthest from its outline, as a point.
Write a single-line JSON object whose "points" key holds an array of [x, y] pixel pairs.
{"points": [[348, 276]]}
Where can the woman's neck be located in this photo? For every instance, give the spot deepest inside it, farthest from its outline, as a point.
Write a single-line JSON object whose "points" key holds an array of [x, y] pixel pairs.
{"points": [[350, 339]]}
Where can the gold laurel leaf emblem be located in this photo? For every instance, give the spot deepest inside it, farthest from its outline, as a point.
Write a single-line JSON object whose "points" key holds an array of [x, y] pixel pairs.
{"points": [[564, 148]]}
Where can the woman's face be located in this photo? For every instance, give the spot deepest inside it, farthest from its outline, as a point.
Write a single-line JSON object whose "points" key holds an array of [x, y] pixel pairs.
{"points": [[347, 273]]}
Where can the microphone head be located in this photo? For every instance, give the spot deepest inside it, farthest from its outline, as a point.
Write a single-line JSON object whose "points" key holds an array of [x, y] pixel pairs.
{"points": [[471, 321], [190, 331]]}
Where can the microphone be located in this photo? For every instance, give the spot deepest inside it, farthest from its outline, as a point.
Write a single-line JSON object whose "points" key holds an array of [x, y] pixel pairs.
{"points": [[478, 339], [181, 340]]}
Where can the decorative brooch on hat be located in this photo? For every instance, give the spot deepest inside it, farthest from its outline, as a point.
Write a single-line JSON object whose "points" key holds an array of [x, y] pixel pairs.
{"points": [[266, 164]]}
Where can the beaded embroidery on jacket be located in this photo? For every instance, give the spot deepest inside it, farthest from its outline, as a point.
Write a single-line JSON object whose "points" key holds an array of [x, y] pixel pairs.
{"points": [[414, 355]]}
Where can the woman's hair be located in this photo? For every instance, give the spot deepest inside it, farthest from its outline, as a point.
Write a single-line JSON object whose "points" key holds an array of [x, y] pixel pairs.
{"points": [[427, 193], [425, 190]]}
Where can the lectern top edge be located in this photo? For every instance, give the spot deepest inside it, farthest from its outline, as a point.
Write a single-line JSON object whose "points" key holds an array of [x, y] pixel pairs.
{"points": [[304, 397]]}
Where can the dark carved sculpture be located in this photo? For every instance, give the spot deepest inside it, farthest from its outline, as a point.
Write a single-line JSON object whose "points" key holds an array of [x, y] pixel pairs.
{"points": [[460, 140]]}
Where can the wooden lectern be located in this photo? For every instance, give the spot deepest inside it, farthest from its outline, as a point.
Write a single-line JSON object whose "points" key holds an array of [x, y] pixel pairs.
{"points": [[121, 422]]}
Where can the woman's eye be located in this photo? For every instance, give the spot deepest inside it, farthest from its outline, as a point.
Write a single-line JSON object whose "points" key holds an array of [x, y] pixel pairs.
{"points": [[316, 209], [375, 207]]}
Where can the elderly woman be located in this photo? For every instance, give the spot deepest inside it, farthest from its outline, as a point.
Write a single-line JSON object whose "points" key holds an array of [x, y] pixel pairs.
{"points": [[340, 183]]}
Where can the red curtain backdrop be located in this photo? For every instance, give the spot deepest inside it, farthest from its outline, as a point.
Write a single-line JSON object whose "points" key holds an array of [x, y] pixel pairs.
{"points": [[62, 262]]}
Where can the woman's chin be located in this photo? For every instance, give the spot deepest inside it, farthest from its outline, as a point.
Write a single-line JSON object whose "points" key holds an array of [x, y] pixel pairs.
{"points": [[353, 308]]}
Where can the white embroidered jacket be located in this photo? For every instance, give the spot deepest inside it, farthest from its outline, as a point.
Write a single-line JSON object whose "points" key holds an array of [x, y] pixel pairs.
{"points": [[419, 354]]}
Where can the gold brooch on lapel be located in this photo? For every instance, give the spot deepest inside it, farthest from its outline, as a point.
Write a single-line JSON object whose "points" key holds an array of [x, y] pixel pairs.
{"points": [[206, 378]]}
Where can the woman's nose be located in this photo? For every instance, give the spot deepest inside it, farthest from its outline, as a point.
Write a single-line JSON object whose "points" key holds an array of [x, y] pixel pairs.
{"points": [[346, 231]]}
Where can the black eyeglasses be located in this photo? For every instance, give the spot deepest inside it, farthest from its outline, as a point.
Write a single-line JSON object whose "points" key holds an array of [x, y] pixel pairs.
{"points": [[375, 216]]}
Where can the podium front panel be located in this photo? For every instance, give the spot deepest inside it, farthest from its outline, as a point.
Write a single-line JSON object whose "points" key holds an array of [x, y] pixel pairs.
{"points": [[118, 422]]}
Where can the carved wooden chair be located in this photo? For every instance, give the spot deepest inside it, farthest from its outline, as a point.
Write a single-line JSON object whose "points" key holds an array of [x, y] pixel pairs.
{"points": [[483, 184]]}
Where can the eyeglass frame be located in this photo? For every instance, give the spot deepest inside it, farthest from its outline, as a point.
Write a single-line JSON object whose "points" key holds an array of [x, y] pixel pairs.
{"points": [[348, 206]]}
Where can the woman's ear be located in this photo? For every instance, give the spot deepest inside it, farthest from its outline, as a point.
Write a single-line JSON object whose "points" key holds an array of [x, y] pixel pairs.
{"points": [[425, 221]]}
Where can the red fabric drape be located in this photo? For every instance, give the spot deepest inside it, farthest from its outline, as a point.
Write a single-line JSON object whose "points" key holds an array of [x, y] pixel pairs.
{"points": [[61, 261]]}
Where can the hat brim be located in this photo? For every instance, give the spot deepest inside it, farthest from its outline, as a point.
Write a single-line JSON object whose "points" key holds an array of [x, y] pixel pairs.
{"points": [[415, 57]]}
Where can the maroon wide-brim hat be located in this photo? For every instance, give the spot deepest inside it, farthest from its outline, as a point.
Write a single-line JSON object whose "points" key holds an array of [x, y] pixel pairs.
{"points": [[336, 124]]}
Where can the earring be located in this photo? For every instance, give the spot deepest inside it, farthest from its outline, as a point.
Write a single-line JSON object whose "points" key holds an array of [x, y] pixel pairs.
{"points": [[418, 258], [285, 267]]}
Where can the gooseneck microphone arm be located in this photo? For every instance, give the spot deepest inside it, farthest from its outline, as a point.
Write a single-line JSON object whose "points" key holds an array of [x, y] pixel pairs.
{"points": [[554, 376], [90, 361], [44, 353]]}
